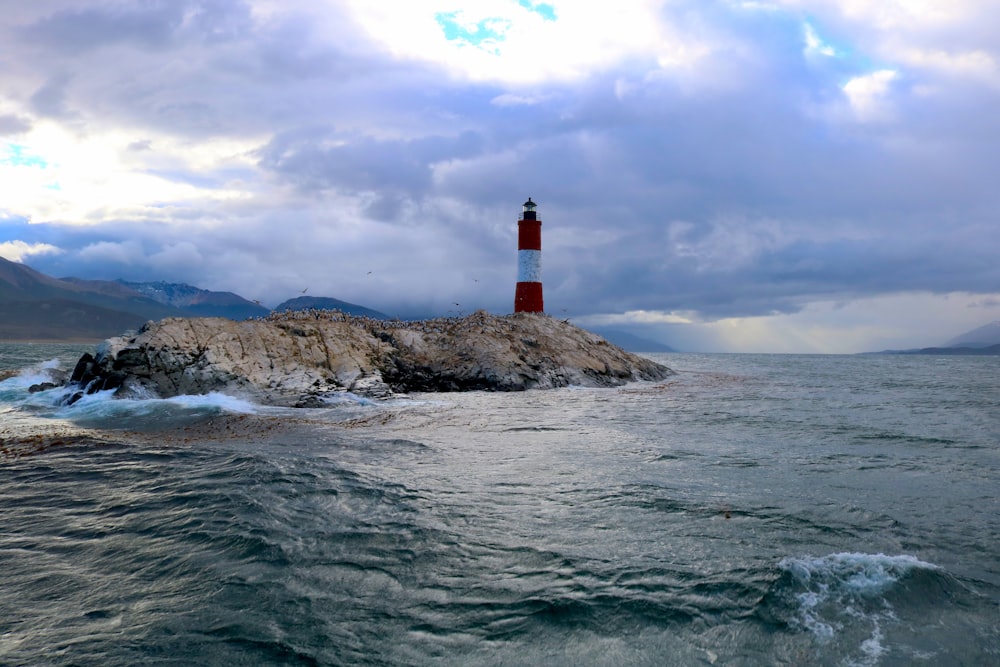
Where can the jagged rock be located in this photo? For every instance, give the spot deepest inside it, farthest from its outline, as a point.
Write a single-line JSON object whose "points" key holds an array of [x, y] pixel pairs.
{"points": [[57, 378], [299, 358]]}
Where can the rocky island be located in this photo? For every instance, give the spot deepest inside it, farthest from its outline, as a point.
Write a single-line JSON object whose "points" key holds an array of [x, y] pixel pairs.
{"points": [[302, 358]]}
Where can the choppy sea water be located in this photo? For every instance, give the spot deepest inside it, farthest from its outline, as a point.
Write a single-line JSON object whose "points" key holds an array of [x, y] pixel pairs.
{"points": [[752, 510]]}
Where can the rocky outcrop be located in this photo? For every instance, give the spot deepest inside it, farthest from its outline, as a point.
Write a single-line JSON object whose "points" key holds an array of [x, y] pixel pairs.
{"points": [[302, 358]]}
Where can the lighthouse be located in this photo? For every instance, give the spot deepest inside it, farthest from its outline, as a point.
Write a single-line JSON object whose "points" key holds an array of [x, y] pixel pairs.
{"points": [[528, 295]]}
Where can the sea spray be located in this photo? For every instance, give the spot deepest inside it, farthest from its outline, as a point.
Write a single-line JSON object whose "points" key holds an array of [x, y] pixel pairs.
{"points": [[846, 593]]}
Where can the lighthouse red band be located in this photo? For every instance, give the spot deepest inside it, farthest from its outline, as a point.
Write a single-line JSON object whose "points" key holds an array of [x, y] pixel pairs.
{"points": [[528, 295]]}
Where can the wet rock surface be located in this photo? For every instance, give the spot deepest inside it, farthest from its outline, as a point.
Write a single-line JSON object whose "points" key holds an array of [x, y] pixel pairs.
{"points": [[302, 358]]}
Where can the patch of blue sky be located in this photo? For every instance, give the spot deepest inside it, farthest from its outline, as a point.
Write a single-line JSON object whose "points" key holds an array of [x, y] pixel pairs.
{"points": [[485, 32], [15, 155], [545, 10], [849, 62]]}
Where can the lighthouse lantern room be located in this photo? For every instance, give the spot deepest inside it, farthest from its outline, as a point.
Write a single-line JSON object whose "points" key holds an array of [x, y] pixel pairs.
{"points": [[528, 295]]}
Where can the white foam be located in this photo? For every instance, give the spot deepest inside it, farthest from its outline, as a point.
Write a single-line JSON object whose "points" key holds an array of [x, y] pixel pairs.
{"points": [[853, 572], [809, 617], [214, 399], [104, 406], [345, 398], [846, 588], [104, 403], [36, 374], [873, 647]]}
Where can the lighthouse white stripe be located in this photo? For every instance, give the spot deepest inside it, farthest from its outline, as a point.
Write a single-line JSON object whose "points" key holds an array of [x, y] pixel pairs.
{"points": [[529, 266]]}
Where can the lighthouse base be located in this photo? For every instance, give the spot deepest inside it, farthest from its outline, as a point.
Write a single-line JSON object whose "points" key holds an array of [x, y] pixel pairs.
{"points": [[528, 298]]}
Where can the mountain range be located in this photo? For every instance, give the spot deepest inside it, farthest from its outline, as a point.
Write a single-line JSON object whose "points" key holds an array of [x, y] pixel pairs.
{"points": [[34, 306], [979, 341], [985, 336]]}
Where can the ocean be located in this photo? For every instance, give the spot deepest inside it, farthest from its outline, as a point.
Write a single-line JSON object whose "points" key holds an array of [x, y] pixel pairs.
{"points": [[751, 510]]}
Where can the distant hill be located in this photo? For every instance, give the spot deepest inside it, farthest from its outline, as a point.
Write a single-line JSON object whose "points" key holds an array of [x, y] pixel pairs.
{"points": [[34, 306], [199, 302], [982, 340], [326, 303], [62, 319], [984, 336], [630, 342], [952, 351], [38, 307]]}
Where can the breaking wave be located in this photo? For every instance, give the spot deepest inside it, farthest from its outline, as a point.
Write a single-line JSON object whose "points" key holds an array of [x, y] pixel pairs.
{"points": [[852, 600]]}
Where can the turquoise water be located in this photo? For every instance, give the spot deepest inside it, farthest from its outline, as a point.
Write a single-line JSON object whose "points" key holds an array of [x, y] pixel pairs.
{"points": [[752, 510]]}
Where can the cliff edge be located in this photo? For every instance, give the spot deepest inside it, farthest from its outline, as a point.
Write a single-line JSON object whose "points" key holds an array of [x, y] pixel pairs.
{"points": [[300, 358]]}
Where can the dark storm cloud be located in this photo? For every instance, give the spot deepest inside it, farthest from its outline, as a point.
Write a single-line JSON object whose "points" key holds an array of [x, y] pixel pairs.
{"points": [[149, 24], [322, 159], [194, 68], [71, 31], [11, 124], [50, 98], [781, 280]]}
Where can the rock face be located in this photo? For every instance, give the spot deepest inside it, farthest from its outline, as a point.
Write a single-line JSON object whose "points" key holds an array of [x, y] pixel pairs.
{"points": [[299, 358]]}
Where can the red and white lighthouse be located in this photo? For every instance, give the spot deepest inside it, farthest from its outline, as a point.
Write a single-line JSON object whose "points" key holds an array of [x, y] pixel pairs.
{"points": [[528, 295]]}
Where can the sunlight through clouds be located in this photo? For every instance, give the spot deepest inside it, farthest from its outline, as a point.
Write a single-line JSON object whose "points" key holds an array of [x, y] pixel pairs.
{"points": [[82, 179], [846, 326], [513, 41]]}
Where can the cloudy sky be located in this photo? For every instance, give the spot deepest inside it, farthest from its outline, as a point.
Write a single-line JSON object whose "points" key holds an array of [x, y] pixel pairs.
{"points": [[721, 175]]}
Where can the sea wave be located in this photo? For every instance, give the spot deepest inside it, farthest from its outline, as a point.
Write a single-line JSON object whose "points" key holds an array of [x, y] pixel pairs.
{"points": [[852, 573], [849, 598], [38, 392], [46, 371], [580, 527]]}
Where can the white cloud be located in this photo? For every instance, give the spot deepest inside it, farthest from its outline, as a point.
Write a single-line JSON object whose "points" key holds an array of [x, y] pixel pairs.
{"points": [[973, 64], [512, 100], [107, 252], [954, 38], [868, 95], [894, 14], [16, 251], [907, 14], [88, 178], [530, 47], [815, 45], [182, 255]]}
